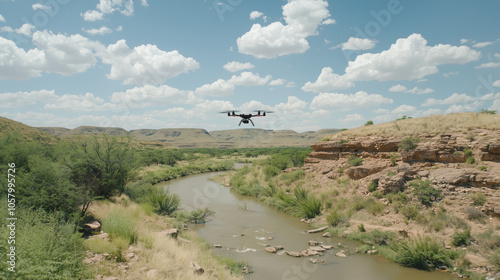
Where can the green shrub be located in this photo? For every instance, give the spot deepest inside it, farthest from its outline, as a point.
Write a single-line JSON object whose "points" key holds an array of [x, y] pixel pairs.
{"points": [[337, 218], [369, 123], [46, 248], [461, 238], [478, 199], [361, 228], [425, 192], [355, 161], [311, 207], [271, 171], [422, 253], [470, 160], [495, 259], [162, 201], [409, 143], [372, 186], [474, 215], [200, 216], [117, 224]]}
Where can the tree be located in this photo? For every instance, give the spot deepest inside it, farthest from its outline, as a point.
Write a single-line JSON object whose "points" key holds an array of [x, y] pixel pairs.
{"points": [[100, 166], [369, 123]]}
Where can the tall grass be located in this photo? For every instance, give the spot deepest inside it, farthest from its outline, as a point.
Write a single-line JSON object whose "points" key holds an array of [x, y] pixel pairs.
{"points": [[162, 201], [422, 252], [117, 224]]}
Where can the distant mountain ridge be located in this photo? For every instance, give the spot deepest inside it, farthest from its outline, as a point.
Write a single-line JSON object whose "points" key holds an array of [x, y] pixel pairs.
{"points": [[197, 137]]}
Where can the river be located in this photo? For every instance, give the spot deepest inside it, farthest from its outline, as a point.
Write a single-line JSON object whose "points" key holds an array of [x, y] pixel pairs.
{"points": [[243, 227]]}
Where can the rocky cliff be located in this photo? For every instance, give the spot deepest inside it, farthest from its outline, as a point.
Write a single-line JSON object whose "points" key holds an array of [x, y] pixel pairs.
{"points": [[456, 163]]}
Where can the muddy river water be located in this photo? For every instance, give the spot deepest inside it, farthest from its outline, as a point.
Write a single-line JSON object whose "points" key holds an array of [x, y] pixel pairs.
{"points": [[243, 226]]}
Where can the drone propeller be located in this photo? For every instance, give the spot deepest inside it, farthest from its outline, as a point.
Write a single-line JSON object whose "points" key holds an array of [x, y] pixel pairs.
{"points": [[263, 112], [229, 113]]}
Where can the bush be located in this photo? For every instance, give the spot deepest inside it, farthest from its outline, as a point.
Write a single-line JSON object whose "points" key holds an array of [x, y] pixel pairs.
{"points": [[422, 253], [355, 161], [45, 248], [409, 143], [200, 216], [372, 186], [337, 218], [474, 215], [425, 192], [162, 201], [271, 171], [311, 207], [478, 199], [461, 238], [361, 228]]}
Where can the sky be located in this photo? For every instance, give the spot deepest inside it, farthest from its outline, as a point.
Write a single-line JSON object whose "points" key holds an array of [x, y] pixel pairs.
{"points": [[176, 64]]}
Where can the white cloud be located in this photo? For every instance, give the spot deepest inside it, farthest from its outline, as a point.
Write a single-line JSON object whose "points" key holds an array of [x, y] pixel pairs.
{"points": [[328, 21], [489, 65], [6, 29], [144, 3], [327, 80], [397, 88], [2, 19], [346, 102], [358, 44], [352, 118], [277, 82], [25, 29], [450, 74], [92, 15], [415, 90], [101, 31], [302, 18], [149, 95], [496, 83], [463, 41], [404, 110], [255, 14], [22, 98], [235, 66], [144, 64], [455, 98], [482, 44], [293, 104], [38, 6], [220, 87], [87, 103], [65, 55], [125, 7], [431, 112], [407, 59], [249, 79]]}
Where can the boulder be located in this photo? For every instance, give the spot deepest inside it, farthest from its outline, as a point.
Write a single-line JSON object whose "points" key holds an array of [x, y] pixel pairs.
{"points": [[171, 232], [327, 234], [294, 254], [270, 249], [317, 230], [196, 267], [313, 243], [92, 228]]}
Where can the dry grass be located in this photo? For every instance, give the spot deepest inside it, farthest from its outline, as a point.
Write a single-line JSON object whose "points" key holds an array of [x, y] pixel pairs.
{"points": [[433, 125], [169, 257]]}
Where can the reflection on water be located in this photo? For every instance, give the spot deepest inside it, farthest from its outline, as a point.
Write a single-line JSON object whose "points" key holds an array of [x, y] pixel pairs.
{"points": [[243, 227]]}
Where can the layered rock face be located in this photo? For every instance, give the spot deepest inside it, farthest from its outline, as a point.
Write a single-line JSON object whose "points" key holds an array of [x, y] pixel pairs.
{"points": [[456, 163]]}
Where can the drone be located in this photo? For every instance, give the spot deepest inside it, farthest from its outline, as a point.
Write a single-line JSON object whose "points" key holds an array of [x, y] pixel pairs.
{"points": [[245, 118]]}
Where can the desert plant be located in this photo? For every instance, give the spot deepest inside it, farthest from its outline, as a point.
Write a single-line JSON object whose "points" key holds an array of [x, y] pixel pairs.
{"points": [[422, 253], [474, 215], [369, 123], [162, 201], [311, 207], [409, 143], [337, 218], [200, 216], [461, 238], [478, 199], [355, 161], [361, 228], [372, 186], [425, 192]]}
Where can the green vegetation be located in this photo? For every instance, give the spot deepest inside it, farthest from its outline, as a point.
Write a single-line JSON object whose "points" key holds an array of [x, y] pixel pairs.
{"points": [[478, 199], [409, 143], [369, 123], [461, 238], [162, 201], [425, 192], [486, 111], [355, 161], [422, 252]]}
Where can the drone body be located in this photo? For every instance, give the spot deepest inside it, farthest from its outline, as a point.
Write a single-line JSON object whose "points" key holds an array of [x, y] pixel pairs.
{"points": [[246, 118]]}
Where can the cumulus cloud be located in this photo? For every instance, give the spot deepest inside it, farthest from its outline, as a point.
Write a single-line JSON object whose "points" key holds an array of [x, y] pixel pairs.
{"points": [[22, 98], [18, 64], [482, 44], [98, 31], [496, 83], [38, 6], [455, 98], [415, 90], [358, 44], [104, 7], [86, 103], [327, 80], [149, 95], [235, 66], [277, 82], [249, 79], [407, 59], [25, 29], [2, 19], [488, 65], [220, 87], [144, 64], [302, 17], [255, 14], [346, 102]]}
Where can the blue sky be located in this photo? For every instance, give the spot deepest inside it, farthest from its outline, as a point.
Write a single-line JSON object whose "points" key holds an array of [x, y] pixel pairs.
{"points": [[316, 64]]}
